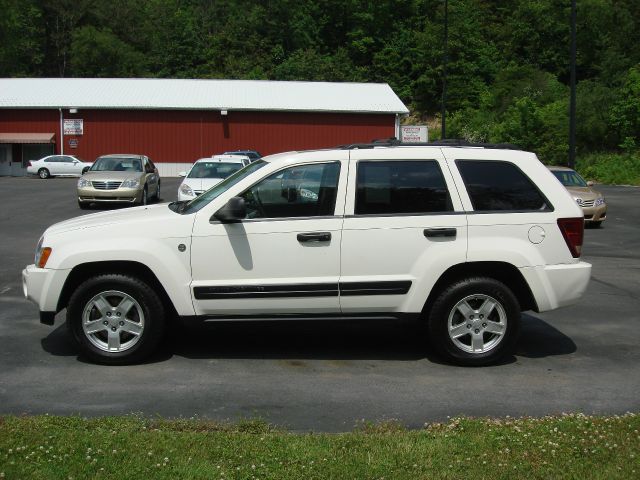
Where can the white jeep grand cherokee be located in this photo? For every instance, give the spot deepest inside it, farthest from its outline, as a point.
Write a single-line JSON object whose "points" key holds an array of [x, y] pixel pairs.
{"points": [[461, 237]]}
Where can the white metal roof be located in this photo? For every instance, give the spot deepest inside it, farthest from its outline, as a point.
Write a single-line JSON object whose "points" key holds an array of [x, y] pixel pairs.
{"points": [[179, 94]]}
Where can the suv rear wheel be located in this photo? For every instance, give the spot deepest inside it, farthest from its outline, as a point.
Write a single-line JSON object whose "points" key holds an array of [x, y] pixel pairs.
{"points": [[475, 321], [116, 319]]}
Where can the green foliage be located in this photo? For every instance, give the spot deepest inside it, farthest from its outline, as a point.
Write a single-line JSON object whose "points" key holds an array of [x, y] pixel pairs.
{"points": [[524, 106], [625, 114], [507, 69], [21, 31], [611, 168], [572, 446], [99, 53]]}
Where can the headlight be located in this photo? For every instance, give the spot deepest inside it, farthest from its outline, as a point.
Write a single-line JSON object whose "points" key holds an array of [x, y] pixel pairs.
{"points": [[599, 201], [42, 254], [130, 183], [82, 183], [186, 190]]}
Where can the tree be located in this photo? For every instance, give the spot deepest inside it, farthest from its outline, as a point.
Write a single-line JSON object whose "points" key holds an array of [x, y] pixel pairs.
{"points": [[100, 53]]}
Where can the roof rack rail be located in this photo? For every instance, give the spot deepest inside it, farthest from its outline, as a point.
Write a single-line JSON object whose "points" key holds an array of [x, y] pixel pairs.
{"points": [[449, 142]]}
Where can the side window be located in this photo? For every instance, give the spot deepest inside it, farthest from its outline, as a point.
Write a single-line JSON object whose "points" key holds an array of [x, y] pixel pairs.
{"points": [[401, 187], [495, 186], [54, 159], [66, 159], [300, 191], [151, 168]]}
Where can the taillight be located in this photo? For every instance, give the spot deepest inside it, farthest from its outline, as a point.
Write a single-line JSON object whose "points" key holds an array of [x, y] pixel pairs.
{"points": [[573, 232]]}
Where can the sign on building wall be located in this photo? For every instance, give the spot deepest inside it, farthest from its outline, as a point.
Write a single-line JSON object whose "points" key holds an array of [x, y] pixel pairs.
{"points": [[413, 134], [73, 126]]}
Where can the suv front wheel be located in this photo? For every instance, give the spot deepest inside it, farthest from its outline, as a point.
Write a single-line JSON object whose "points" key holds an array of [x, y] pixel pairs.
{"points": [[475, 321], [116, 319]]}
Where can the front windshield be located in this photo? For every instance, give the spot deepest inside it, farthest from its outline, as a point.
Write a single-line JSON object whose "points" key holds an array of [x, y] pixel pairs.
{"points": [[117, 164], [218, 189], [214, 169], [569, 178]]}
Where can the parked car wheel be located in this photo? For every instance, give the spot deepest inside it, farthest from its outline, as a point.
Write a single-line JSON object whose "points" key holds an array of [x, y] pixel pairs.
{"points": [[475, 321], [116, 319], [158, 193], [44, 173], [144, 200]]}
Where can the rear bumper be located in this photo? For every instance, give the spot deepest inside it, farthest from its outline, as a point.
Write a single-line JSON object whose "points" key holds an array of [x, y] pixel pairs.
{"points": [[555, 286]]}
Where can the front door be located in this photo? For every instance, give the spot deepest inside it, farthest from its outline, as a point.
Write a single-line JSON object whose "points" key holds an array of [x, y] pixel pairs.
{"points": [[284, 259]]}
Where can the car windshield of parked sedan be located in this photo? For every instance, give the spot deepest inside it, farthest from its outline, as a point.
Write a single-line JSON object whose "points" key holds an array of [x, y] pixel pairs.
{"points": [[214, 169], [218, 189], [570, 178], [117, 164]]}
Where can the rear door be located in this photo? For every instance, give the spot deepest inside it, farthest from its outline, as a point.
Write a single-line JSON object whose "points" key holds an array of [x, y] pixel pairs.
{"points": [[404, 225]]}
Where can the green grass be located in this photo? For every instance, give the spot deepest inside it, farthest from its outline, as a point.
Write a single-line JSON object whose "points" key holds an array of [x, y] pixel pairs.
{"points": [[570, 446], [611, 168]]}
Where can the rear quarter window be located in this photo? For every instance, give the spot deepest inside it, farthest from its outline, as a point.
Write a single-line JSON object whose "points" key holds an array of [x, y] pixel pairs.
{"points": [[500, 186]]}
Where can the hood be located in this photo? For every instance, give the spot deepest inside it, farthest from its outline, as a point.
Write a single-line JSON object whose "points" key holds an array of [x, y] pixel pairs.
{"points": [[201, 183], [133, 217], [585, 193], [116, 176]]}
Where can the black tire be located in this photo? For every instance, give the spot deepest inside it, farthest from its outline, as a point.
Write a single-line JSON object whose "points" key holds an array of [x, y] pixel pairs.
{"points": [[144, 200], [157, 198], [43, 173], [472, 292], [83, 205], [595, 224], [152, 319]]}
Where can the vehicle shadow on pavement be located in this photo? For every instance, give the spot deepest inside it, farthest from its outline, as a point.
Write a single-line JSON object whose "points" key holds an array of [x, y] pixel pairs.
{"points": [[321, 340], [538, 339]]}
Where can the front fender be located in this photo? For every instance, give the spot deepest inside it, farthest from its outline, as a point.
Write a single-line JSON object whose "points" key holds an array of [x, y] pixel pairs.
{"points": [[171, 266]]}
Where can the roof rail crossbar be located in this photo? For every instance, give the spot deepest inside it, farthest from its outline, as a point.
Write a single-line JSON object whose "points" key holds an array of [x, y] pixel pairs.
{"points": [[449, 142]]}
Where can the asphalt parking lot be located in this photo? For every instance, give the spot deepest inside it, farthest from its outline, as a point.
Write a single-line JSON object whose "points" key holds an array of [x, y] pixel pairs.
{"points": [[325, 376]]}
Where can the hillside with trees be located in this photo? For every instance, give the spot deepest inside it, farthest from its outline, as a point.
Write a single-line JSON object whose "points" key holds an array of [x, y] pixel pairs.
{"points": [[508, 67]]}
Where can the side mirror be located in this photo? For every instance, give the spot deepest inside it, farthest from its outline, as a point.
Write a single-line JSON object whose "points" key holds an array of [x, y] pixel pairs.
{"points": [[232, 212], [182, 174], [590, 183]]}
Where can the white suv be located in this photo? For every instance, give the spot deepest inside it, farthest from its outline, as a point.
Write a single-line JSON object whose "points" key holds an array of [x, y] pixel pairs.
{"points": [[463, 238]]}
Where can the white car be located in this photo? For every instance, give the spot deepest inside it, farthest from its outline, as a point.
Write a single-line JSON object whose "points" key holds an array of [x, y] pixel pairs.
{"points": [[463, 238], [58, 165], [208, 172]]}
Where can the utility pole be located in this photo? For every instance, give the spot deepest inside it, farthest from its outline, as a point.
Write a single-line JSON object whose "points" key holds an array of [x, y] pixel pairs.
{"points": [[444, 70], [572, 101]]}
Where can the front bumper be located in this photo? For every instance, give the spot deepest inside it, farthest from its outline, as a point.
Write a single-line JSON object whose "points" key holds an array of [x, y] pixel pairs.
{"points": [[595, 214], [555, 286], [43, 286], [129, 195]]}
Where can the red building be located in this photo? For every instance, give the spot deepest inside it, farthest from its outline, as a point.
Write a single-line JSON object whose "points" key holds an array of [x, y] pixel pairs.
{"points": [[178, 121]]}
